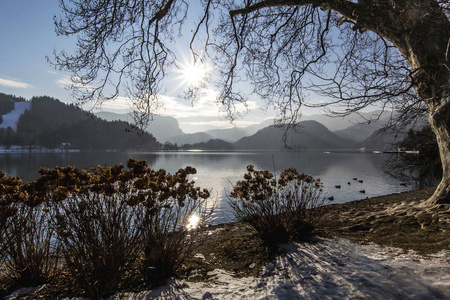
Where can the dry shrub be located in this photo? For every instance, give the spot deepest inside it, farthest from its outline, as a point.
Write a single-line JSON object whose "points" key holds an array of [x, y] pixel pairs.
{"points": [[100, 241], [28, 247], [114, 226], [96, 226], [281, 209], [8, 188], [169, 202], [113, 222]]}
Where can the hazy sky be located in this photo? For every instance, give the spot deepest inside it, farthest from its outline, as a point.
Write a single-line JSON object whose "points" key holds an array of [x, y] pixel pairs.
{"points": [[28, 36]]}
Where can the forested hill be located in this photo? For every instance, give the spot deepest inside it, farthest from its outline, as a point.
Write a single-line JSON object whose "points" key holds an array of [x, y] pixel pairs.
{"points": [[7, 103], [51, 123]]}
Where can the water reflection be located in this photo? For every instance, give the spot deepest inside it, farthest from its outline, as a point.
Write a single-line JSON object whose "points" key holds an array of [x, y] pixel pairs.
{"points": [[218, 171], [193, 221]]}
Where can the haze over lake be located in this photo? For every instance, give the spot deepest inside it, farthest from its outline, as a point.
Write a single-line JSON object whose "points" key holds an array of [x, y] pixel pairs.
{"points": [[217, 171]]}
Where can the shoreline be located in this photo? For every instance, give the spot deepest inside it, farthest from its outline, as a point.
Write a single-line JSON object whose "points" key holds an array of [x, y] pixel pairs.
{"points": [[395, 220]]}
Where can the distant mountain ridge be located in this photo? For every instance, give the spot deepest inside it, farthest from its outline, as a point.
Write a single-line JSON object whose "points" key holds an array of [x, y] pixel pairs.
{"points": [[354, 128], [308, 135], [236, 133], [161, 127], [50, 122], [338, 123], [190, 138], [359, 132], [167, 129]]}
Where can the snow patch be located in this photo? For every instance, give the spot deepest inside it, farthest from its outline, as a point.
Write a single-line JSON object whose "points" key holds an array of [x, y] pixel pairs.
{"points": [[11, 118], [328, 269]]}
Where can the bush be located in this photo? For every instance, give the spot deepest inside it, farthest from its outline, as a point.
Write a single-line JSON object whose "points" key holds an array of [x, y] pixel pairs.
{"points": [[281, 209], [114, 222], [7, 186], [113, 226], [168, 203], [95, 225], [28, 248]]}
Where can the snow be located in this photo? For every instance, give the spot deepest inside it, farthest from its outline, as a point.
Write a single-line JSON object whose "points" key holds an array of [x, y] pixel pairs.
{"points": [[328, 269], [11, 118]]}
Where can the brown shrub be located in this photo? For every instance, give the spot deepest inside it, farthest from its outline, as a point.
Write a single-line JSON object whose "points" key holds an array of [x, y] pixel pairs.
{"points": [[281, 209]]}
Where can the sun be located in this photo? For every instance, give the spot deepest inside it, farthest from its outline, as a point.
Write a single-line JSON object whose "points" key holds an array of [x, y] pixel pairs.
{"points": [[193, 73]]}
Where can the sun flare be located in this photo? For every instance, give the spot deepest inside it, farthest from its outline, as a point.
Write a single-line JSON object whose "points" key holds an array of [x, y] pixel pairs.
{"points": [[193, 73]]}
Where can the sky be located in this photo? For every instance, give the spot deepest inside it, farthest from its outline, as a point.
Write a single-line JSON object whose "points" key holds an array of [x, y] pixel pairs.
{"points": [[28, 37]]}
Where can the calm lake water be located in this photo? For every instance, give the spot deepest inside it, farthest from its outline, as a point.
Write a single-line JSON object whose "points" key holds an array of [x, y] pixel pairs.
{"points": [[219, 170]]}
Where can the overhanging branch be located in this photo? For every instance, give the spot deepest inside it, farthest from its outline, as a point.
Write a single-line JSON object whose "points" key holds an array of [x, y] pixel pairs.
{"points": [[343, 7]]}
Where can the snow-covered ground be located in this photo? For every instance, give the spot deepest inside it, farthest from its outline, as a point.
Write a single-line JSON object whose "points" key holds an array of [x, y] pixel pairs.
{"points": [[329, 269], [11, 118]]}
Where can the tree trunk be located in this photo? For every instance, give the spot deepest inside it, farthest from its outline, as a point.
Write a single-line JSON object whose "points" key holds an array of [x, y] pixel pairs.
{"points": [[421, 31], [440, 123], [432, 82], [433, 86]]}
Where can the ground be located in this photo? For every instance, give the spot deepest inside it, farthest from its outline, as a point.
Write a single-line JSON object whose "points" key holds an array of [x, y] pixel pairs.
{"points": [[388, 247], [395, 220], [345, 260]]}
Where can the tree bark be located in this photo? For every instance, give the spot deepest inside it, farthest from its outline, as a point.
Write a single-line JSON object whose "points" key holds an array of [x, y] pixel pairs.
{"points": [[440, 123]]}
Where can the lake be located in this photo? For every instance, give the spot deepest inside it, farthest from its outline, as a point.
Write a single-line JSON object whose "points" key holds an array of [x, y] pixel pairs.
{"points": [[217, 171]]}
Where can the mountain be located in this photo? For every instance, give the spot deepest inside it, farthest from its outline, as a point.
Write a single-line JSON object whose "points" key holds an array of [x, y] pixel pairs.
{"points": [[50, 123], [359, 132], [355, 128], [307, 136], [228, 135], [334, 123], [383, 140], [190, 138], [161, 127], [236, 133]]}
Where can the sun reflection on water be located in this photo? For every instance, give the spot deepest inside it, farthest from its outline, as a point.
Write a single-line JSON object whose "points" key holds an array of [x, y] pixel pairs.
{"points": [[193, 221]]}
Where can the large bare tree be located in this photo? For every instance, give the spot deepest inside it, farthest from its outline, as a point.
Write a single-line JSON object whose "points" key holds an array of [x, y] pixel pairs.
{"points": [[392, 53]]}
